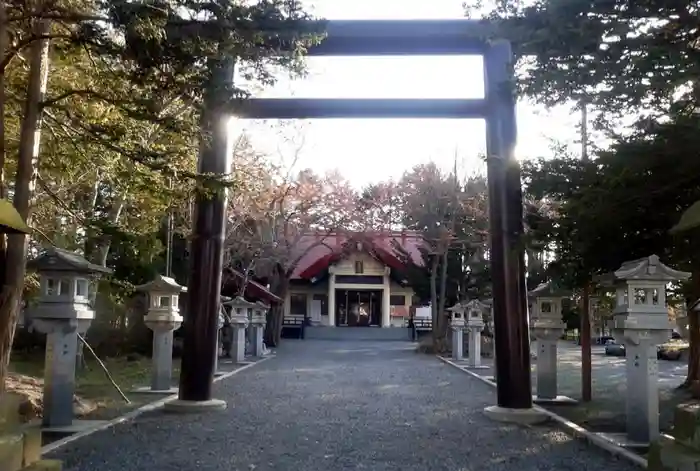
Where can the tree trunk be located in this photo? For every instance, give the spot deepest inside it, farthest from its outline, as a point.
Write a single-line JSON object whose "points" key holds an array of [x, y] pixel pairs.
{"points": [[3, 188], [438, 340], [694, 337], [104, 242], [273, 329], [89, 213], [13, 283], [442, 319], [433, 290], [275, 316], [694, 354], [586, 371], [3, 49]]}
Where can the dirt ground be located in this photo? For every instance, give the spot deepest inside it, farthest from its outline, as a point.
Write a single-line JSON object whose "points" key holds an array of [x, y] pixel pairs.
{"points": [[96, 397]]}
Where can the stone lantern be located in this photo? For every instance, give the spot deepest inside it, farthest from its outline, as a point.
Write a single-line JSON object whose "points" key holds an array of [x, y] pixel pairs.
{"points": [[63, 311], [457, 326], [475, 325], [547, 327], [163, 318], [640, 322], [257, 321], [240, 313]]}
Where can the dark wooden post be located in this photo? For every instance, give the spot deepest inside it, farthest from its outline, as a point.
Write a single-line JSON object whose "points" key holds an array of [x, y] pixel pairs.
{"points": [[206, 252], [506, 229]]}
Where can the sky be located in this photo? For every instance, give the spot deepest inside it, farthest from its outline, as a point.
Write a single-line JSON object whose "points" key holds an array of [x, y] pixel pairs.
{"points": [[371, 150]]}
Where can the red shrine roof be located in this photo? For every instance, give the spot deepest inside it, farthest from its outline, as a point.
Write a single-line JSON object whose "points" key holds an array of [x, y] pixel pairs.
{"points": [[253, 288], [321, 250]]}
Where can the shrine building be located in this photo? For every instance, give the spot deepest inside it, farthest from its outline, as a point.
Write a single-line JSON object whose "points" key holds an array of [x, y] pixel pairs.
{"points": [[353, 280]]}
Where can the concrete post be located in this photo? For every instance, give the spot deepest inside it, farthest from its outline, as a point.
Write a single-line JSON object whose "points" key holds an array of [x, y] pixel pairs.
{"points": [[456, 314], [642, 370], [59, 371], [258, 320], [221, 321], [457, 326], [162, 370], [474, 346], [331, 298], [546, 327], [239, 325], [475, 325], [547, 369], [386, 299]]}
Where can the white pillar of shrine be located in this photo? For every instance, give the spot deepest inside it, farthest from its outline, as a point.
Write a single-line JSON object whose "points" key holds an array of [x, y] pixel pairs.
{"points": [[386, 299], [331, 297]]}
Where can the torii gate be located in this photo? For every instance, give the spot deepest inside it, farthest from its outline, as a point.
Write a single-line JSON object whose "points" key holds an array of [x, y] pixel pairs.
{"points": [[377, 38]]}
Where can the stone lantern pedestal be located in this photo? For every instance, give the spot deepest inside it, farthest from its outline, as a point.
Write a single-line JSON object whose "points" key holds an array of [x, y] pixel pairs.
{"points": [[240, 311], [547, 327], [163, 318], [457, 326], [640, 321], [63, 311], [221, 321], [257, 324], [475, 325]]}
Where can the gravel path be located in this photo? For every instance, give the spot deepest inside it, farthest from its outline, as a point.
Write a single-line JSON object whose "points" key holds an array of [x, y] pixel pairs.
{"points": [[338, 406]]}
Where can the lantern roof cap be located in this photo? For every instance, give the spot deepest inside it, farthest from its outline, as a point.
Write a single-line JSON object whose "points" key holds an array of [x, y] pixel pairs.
{"points": [[162, 283], [262, 305], [476, 304], [459, 307], [648, 268], [239, 301], [55, 259], [549, 289]]}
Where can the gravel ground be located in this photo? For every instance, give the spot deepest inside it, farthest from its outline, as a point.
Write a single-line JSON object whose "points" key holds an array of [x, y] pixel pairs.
{"points": [[338, 406]]}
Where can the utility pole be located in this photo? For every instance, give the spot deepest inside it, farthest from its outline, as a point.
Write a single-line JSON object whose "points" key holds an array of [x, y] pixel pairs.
{"points": [[586, 367], [169, 237]]}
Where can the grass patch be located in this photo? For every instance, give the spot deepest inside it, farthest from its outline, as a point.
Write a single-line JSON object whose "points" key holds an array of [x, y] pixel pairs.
{"points": [[96, 397]]}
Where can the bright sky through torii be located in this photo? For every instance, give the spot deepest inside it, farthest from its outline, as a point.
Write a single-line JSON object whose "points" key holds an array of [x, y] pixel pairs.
{"points": [[370, 150]]}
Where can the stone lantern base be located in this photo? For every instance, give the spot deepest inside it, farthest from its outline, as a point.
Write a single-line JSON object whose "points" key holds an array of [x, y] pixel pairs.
{"points": [[257, 327], [457, 339], [642, 370], [474, 359], [546, 334], [59, 369], [239, 324]]}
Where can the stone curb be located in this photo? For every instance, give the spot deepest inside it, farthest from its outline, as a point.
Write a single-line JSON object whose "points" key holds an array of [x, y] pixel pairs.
{"points": [[136, 412], [573, 428]]}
